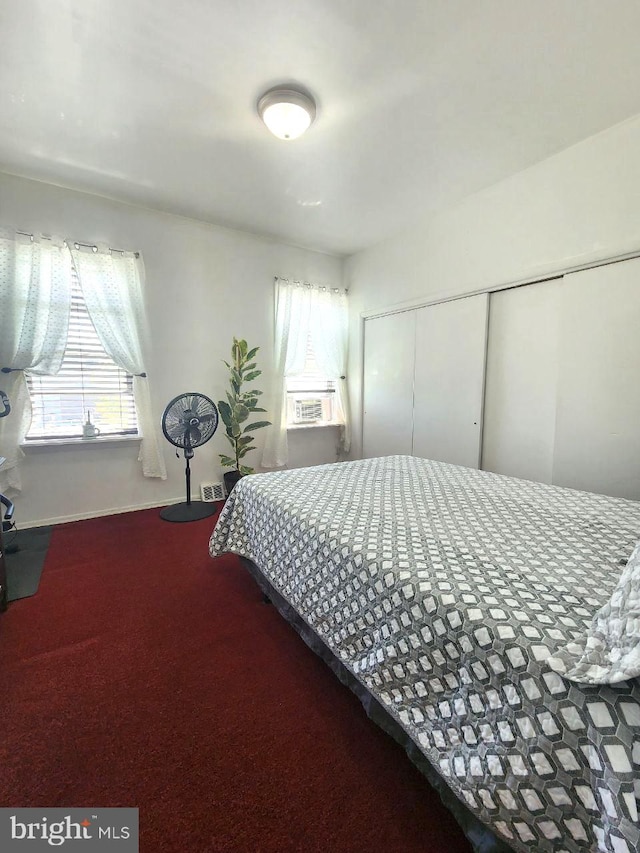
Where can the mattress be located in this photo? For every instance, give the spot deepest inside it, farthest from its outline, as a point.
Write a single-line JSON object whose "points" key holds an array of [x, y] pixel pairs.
{"points": [[444, 591]]}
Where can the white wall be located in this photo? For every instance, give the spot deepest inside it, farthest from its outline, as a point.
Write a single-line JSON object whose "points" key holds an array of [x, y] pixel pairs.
{"points": [[204, 285], [581, 204]]}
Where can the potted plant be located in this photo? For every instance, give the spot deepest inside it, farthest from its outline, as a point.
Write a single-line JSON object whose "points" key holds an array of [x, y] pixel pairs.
{"points": [[237, 409]]}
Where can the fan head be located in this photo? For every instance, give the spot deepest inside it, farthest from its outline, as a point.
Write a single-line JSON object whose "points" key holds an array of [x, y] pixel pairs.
{"points": [[189, 420]]}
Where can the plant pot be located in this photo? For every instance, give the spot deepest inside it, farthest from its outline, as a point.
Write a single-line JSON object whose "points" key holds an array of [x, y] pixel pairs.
{"points": [[230, 479]]}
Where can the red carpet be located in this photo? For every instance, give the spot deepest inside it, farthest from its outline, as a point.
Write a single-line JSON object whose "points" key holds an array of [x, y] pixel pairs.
{"points": [[145, 674]]}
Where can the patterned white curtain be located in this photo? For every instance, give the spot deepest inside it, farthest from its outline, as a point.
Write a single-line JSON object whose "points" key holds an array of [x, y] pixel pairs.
{"points": [[302, 309], [35, 300], [112, 285]]}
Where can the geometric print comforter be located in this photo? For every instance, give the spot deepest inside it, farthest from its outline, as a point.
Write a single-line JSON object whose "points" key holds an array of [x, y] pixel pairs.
{"points": [[445, 590]]}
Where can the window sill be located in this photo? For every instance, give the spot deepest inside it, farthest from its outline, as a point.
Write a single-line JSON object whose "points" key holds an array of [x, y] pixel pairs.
{"points": [[52, 443], [312, 426]]}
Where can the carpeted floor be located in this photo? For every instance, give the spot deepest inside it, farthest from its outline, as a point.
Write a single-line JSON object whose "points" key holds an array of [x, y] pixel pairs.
{"points": [[145, 674]]}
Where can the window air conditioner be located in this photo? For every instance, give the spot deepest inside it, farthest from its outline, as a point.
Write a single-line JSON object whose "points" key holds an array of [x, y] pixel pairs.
{"points": [[308, 411]]}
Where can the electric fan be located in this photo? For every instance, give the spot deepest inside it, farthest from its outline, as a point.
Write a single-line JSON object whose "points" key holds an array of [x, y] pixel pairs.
{"points": [[188, 421]]}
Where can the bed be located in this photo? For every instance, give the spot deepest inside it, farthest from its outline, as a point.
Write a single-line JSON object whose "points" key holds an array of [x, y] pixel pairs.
{"points": [[448, 597]]}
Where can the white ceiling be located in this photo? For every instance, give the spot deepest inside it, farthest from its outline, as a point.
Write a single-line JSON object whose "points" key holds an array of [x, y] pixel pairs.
{"points": [[420, 102]]}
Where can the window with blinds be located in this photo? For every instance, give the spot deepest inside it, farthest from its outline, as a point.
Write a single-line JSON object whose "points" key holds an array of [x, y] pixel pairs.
{"points": [[88, 384], [311, 396]]}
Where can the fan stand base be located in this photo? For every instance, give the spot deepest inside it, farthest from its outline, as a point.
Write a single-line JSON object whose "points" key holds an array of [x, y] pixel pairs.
{"points": [[188, 511]]}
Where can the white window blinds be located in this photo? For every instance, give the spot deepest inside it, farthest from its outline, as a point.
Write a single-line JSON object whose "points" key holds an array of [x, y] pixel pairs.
{"points": [[88, 381]]}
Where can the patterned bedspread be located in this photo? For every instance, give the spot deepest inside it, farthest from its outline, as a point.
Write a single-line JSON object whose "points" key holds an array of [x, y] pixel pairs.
{"points": [[444, 590]]}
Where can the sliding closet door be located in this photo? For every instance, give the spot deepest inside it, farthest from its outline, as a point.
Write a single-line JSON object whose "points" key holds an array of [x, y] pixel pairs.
{"points": [[449, 380], [597, 440], [388, 384], [522, 377]]}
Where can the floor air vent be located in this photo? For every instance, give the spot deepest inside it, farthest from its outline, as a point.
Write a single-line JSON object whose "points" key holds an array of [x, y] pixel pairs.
{"points": [[210, 492]]}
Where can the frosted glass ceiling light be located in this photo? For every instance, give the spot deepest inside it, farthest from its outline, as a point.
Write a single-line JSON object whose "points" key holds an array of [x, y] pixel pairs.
{"points": [[287, 112]]}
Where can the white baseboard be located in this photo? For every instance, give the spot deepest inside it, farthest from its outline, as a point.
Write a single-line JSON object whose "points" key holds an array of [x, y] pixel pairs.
{"points": [[79, 516]]}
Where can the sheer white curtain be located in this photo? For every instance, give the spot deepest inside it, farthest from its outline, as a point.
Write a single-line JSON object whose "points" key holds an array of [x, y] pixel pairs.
{"points": [[292, 306], [112, 285], [329, 333], [35, 299], [304, 310]]}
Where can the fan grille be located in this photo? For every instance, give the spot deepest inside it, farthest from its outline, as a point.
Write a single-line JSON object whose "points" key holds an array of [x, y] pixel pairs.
{"points": [[189, 420]]}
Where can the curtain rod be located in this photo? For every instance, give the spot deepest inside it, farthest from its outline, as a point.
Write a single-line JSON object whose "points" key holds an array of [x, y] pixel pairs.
{"points": [[307, 284], [77, 243]]}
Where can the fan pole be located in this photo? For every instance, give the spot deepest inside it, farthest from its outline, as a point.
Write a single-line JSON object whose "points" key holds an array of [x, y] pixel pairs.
{"points": [[187, 476]]}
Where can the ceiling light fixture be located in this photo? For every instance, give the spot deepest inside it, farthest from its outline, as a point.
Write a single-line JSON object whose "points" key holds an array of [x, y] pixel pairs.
{"points": [[287, 112]]}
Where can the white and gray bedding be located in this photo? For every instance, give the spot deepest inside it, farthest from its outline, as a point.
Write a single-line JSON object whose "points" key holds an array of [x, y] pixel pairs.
{"points": [[609, 650], [446, 592]]}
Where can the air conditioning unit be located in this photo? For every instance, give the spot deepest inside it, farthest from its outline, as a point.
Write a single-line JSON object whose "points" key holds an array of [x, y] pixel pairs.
{"points": [[308, 411], [211, 492]]}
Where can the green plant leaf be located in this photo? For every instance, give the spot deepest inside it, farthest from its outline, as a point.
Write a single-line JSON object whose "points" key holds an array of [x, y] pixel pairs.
{"points": [[252, 352], [242, 452], [257, 425], [227, 461], [253, 393], [232, 400], [245, 469], [235, 376], [235, 352], [240, 412], [236, 430], [244, 440], [258, 409], [225, 412], [253, 375], [243, 347]]}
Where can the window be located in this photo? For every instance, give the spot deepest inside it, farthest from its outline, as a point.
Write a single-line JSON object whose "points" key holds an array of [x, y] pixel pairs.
{"points": [[311, 396], [88, 381], [311, 324]]}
